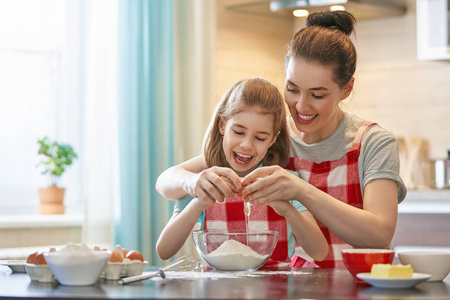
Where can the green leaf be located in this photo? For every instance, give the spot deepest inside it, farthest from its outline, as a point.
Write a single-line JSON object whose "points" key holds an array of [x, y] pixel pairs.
{"points": [[56, 157]]}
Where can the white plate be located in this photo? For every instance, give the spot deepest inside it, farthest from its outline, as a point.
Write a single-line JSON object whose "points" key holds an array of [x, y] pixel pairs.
{"points": [[394, 283], [17, 266]]}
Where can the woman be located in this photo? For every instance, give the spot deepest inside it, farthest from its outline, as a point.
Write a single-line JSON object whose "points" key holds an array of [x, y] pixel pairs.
{"points": [[349, 167]]}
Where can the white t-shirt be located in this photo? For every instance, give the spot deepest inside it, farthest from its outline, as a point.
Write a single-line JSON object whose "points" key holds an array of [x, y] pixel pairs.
{"points": [[379, 155]]}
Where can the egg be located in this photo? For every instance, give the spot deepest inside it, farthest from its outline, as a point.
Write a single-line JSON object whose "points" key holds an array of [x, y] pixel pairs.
{"points": [[40, 259], [115, 257], [134, 255], [125, 251], [31, 258]]}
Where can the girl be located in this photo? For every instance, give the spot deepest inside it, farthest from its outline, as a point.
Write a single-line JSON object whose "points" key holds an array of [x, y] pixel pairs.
{"points": [[248, 130], [350, 166]]}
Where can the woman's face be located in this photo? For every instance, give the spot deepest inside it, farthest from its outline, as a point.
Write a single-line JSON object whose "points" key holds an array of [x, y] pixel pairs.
{"points": [[246, 137], [313, 99]]}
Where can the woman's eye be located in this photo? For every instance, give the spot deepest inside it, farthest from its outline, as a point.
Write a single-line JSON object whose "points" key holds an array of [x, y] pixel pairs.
{"points": [[260, 139], [291, 90], [238, 132], [317, 96]]}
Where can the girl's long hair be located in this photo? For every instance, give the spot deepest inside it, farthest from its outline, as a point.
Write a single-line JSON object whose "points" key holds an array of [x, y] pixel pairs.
{"points": [[250, 93]]}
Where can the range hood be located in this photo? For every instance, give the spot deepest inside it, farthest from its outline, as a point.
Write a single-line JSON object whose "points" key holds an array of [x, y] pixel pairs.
{"points": [[361, 9]]}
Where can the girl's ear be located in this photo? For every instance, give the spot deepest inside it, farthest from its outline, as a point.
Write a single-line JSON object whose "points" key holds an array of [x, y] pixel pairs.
{"points": [[221, 126], [274, 139], [348, 88]]}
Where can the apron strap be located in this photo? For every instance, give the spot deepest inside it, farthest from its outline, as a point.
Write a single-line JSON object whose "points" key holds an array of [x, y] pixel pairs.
{"points": [[359, 135]]}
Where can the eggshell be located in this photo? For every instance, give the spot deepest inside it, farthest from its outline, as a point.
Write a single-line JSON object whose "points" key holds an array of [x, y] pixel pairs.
{"points": [[134, 255], [115, 257], [40, 259], [32, 257], [125, 251]]}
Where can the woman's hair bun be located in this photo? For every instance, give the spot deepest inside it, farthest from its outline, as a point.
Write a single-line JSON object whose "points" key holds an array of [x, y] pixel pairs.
{"points": [[342, 20]]}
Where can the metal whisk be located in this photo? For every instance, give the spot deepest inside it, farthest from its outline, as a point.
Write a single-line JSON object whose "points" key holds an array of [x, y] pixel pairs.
{"points": [[184, 263]]}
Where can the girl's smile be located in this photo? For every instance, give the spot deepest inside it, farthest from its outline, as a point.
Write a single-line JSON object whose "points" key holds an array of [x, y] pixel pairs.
{"points": [[246, 137]]}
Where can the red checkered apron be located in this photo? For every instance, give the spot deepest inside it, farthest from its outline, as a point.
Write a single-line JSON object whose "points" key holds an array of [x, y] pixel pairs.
{"points": [[340, 179], [229, 215]]}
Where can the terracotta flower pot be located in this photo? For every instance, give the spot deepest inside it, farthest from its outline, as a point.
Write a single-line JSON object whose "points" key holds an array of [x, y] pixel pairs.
{"points": [[51, 199]]}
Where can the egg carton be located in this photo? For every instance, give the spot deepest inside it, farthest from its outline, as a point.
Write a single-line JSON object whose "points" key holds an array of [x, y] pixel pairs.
{"points": [[39, 273], [117, 270]]}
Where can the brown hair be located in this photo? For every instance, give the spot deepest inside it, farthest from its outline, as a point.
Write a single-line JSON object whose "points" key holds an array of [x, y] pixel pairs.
{"points": [[255, 92], [325, 40]]}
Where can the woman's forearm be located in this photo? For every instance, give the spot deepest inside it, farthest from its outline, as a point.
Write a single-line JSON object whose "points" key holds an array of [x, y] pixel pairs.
{"points": [[370, 227], [171, 183]]}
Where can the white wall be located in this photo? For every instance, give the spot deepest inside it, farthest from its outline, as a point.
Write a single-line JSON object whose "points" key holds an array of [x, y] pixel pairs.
{"points": [[404, 95], [407, 96], [248, 45]]}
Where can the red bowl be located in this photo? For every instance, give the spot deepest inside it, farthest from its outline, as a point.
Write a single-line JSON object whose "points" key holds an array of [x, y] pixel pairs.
{"points": [[361, 260]]}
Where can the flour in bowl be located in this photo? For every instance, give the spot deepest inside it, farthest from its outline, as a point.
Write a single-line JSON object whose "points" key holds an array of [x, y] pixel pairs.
{"points": [[233, 256]]}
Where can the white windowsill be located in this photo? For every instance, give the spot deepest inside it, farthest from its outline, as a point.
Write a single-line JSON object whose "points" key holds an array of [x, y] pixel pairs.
{"points": [[41, 221]]}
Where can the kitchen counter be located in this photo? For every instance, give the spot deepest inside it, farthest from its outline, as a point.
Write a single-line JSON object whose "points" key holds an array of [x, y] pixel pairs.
{"points": [[264, 284], [426, 201]]}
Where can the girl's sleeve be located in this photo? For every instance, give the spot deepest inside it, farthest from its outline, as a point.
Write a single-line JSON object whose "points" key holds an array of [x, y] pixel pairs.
{"points": [[180, 204], [300, 207]]}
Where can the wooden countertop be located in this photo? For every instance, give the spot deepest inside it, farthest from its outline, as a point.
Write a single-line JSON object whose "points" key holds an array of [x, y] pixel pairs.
{"points": [[264, 284]]}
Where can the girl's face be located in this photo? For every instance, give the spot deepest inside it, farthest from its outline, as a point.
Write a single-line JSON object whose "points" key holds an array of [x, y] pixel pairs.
{"points": [[313, 99], [246, 137]]}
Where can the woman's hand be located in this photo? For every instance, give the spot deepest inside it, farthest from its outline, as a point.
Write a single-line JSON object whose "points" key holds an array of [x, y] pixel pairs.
{"points": [[214, 184], [281, 207], [268, 183]]}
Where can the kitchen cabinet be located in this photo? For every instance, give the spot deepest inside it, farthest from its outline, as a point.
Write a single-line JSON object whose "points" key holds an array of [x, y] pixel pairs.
{"points": [[433, 27]]}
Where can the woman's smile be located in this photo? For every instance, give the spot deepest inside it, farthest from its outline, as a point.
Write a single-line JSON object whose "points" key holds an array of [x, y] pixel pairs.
{"points": [[306, 119]]}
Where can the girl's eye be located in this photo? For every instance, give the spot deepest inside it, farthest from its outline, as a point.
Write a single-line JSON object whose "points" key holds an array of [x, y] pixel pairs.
{"points": [[260, 139], [238, 132]]}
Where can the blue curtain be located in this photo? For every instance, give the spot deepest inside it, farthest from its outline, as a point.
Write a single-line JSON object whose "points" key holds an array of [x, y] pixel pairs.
{"points": [[145, 121]]}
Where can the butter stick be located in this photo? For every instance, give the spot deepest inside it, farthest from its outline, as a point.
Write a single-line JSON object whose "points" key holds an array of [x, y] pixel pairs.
{"points": [[391, 271]]}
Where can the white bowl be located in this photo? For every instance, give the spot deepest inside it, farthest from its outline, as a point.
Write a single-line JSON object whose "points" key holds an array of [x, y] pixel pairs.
{"points": [[433, 262], [77, 268]]}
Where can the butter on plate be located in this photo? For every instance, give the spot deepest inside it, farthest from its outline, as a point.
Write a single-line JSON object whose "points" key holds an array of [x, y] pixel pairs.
{"points": [[391, 271]]}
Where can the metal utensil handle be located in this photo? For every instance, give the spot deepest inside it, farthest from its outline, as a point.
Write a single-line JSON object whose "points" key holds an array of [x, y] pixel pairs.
{"points": [[135, 278], [160, 272]]}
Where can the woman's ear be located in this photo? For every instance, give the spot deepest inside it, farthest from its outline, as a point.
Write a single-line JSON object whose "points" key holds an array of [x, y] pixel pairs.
{"points": [[348, 88], [221, 126]]}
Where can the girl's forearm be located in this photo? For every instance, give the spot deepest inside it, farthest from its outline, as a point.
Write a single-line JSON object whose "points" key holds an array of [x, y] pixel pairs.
{"points": [[308, 234], [177, 231]]}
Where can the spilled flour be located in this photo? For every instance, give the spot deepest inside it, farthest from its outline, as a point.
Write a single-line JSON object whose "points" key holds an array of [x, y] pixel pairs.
{"points": [[233, 255]]}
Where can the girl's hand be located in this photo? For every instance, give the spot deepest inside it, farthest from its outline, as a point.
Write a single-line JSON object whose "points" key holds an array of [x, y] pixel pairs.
{"points": [[269, 183], [214, 184]]}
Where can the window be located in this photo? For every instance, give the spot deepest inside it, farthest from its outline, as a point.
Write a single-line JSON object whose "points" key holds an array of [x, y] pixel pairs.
{"points": [[40, 95]]}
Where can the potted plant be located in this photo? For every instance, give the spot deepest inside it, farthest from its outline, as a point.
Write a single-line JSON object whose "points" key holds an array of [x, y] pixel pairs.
{"points": [[57, 157]]}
